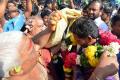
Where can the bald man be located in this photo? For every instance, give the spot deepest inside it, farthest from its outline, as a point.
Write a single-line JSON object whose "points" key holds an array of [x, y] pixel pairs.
{"points": [[34, 26]]}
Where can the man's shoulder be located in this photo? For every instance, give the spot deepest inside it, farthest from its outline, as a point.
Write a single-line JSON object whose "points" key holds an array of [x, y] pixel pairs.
{"points": [[100, 23]]}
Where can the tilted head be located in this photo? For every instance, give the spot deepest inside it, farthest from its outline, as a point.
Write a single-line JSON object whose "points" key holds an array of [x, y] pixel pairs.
{"points": [[107, 12], [115, 24], [85, 31], [35, 25]]}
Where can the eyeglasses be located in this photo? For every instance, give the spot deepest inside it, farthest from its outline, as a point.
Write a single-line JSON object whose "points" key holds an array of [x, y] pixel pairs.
{"points": [[43, 27]]}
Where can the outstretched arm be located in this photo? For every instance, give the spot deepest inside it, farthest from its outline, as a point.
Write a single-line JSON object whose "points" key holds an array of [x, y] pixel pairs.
{"points": [[72, 4], [3, 4], [42, 37], [107, 66], [28, 8]]}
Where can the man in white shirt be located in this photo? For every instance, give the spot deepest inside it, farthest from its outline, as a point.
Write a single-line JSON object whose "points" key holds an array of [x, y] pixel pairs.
{"points": [[94, 13]]}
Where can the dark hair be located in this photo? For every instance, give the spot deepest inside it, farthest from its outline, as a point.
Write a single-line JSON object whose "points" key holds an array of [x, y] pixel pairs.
{"points": [[118, 11], [6, 15], [96, 1], [48, 2], [35, 9], [62, 6], [108, 10], [12, 1], [21, 7], [45, 12], [86, 7], [115, 19], [84, 27], [41, 2]]}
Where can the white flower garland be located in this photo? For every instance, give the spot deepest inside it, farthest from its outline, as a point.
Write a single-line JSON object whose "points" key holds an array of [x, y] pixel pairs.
{"points": [[113, 48]]}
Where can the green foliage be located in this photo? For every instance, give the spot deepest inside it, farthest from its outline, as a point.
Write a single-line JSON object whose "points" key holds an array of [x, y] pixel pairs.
{"points": [[68, 41], [84, 61], [99, 51]]}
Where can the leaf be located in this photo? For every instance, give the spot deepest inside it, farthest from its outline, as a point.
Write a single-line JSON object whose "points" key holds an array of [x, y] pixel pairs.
{"points": [[68, 41], [84, 61], [99, 51]]}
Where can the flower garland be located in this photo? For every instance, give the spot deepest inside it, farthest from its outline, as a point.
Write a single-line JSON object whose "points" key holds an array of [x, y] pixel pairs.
{"points": [[107, 37], [90, 56], [108, 42], [70, 61]]}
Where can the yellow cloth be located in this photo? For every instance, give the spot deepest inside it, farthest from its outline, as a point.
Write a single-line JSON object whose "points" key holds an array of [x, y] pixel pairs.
{"points": [[62, 24]]}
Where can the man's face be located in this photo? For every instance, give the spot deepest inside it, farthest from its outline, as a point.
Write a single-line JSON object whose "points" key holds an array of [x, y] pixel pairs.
{"points": [[81, 41], [94, 11], [11, 7], [41, 7], [45, 19], [35, 25], [49, 6], [31, 70], [28, 55], [116, 28], [12, 14], [12, 10], [84, 42], [85, 13], [104, 16], [24, 4]]}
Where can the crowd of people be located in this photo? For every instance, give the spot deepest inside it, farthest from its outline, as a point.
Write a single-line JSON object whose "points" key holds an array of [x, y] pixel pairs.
{"points": [[59, 39]]}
